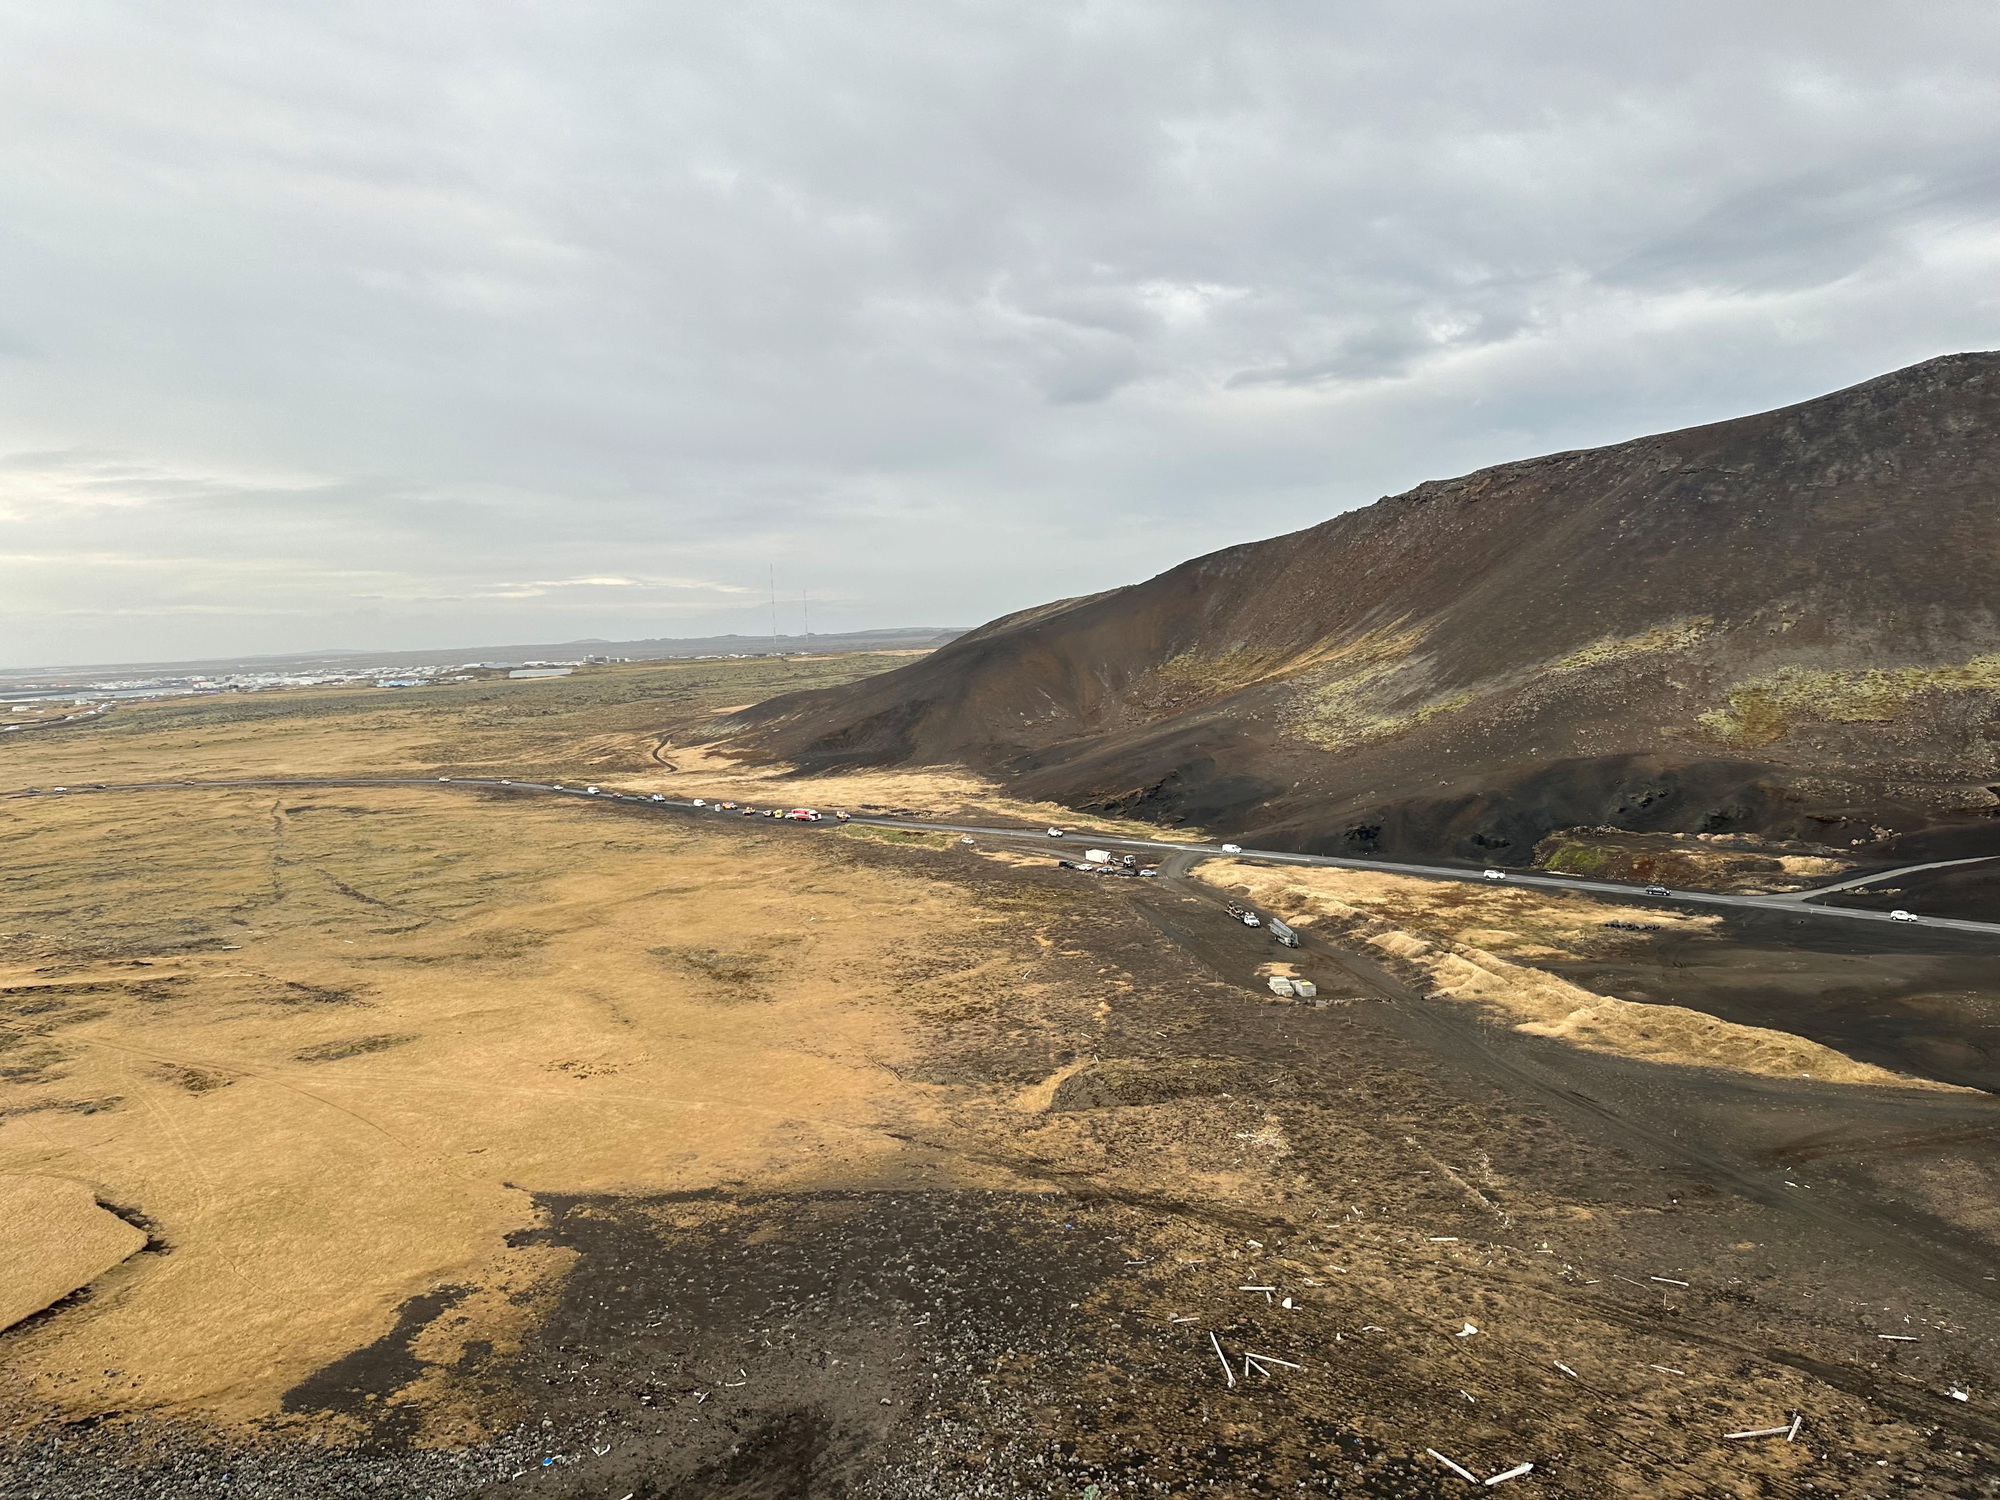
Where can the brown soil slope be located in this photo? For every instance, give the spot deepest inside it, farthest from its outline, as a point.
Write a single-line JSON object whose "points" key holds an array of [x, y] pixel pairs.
{"points": [[1783, 623]]}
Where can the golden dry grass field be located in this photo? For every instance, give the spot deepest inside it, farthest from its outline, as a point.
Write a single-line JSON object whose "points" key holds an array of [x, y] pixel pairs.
{"points": [[332, 1045], [422, 1140]]}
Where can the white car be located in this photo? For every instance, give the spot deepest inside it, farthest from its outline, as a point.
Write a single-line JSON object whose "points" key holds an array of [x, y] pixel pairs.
{"points": [[1055, 833], [698, 802], [590, 791], [1899, 915], [1232, 848], [1494, 874], [659, 796]]}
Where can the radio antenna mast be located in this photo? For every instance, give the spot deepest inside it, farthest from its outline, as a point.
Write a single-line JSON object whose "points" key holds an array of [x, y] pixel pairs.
{"points": [[805, 609], [774, 610]]}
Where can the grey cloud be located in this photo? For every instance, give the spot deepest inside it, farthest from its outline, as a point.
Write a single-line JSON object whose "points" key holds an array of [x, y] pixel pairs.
{"points": [[942, 309]]}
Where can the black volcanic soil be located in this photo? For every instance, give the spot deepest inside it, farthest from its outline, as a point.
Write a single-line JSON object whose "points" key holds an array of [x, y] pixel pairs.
{"points": [[1703, 1252], [1782, 624], [1911, 1000]]}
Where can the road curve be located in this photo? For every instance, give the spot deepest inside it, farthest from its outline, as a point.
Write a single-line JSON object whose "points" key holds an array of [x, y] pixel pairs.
{"points": [[1796, 904], [1881, 875]]}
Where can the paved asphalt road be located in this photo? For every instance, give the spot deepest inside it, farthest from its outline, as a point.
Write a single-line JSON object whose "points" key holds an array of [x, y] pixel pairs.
{"points": [[1796, 904]]}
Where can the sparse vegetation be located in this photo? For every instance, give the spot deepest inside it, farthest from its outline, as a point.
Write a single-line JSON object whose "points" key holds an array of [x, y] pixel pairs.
{"points": [[1689, 861], [1678, 635], [1371, 688], [354, 1046], [1764, 709]]}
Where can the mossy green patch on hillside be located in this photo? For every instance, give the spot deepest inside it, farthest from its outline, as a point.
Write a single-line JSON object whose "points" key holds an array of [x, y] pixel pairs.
{"points": [[1570, 858], [1761, 710], [1376, 688], [1193, 676], [1676, 635], [1370, 688]]}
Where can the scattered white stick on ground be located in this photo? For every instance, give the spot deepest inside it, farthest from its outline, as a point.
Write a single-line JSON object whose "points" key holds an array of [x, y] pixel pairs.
{"points": [[1514, 1473], [1271, 1359], [1565, 1369], [1463, 1473], [1227, 1372], [1750, 1432], [1797, 1419], [1444, 1239], [1670, 1281], [1898, 1338], [1256, 1289], [1669, 1369]]}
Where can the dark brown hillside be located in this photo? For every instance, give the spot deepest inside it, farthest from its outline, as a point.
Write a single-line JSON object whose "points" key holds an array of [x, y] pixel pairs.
{"points": [[1783, 623]]}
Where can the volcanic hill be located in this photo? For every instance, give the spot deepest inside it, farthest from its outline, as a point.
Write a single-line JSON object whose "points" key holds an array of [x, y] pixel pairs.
{"points": [[1783, 624]]}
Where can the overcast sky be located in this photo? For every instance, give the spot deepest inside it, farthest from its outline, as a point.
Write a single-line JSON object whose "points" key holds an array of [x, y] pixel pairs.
{"points": [[425, 323]]}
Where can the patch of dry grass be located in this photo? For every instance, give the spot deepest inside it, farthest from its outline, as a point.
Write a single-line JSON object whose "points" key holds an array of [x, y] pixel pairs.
{"points": [[417, 1010], [1467, 939], [56, 1239], [1689, 861]]}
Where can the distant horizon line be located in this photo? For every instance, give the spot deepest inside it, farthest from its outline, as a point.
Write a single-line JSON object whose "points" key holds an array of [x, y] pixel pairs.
{"points": [[404, 655]]}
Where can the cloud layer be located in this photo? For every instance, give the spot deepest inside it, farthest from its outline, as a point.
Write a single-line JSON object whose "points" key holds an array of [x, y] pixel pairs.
{"points": [[359, 324]]}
